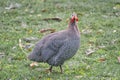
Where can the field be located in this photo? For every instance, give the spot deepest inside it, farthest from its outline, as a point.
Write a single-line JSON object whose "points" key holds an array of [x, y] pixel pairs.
{"points": [[98, 57]]}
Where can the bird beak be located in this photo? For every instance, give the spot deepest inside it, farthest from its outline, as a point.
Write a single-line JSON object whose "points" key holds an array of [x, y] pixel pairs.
{"points": [[76, 18]]}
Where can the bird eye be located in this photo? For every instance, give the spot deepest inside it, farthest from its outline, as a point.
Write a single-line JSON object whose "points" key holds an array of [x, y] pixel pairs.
{"points": [[71, 15]]}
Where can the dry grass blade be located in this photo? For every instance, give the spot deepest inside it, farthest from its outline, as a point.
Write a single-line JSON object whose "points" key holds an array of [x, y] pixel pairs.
{"points": [[21, 46], [119, 59], [46, 30]]}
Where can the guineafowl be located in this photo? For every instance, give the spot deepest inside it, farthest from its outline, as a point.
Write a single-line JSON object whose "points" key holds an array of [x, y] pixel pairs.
{"points": [[56, 48]]}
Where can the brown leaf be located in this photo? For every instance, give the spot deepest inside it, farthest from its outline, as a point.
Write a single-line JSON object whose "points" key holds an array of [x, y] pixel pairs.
{"points": [[44, 10], [33, 64], [46, 30], [56, 19], [102, 59], [118, 59]]}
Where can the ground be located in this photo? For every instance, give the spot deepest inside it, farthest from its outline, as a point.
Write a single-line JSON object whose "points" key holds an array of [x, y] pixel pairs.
{"points": [[97, 57]]}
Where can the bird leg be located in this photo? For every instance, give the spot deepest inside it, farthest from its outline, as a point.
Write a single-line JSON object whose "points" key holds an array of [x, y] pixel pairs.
{"points": [[50, 69], [61, 69]]}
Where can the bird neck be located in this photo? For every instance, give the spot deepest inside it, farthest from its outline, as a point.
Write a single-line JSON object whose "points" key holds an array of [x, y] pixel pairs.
{"points": [[73, 27]]}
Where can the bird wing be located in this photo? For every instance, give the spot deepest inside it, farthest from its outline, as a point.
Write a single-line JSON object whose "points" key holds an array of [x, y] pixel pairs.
{"points": [[65, 52], [52, 46], [48, 46], [40, 44], [35, 55]]}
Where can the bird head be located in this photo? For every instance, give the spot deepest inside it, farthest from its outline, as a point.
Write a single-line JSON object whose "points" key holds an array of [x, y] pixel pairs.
{"points": [[74, 18]]}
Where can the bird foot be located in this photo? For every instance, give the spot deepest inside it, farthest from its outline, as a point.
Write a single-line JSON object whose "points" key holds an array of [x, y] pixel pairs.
{"points": [[61, 69], [61, 72], [49, 70]]}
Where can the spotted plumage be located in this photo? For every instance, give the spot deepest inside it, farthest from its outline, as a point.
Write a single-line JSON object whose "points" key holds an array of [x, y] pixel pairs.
{"points": [[56, 48]]}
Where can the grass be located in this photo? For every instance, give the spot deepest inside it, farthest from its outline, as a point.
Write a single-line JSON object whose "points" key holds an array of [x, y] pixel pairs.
{"points": [[101, 17]]}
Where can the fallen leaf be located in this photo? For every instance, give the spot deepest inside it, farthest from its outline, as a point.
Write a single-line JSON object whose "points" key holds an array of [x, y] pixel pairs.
{"points": [[49, 78], [33, 64], [79, 76], [32, 11], [114, 31], [88, 67], [28, 46], [102, 59], [80, 13], [20, 43], [116, 14], [39, 15], [21, 46], [67, 20], [100, 31], [44, 10], [116, 6], [46, 30], [23, 24], [13, 6], [104, 16], [56, 18], [14, 47], [113, 41], [40, 76], [101, 47], [86, 31], [26, 10], [30, 15], [89, 51], [118, 59], [30, 31], [30, 39], [2, 54]]}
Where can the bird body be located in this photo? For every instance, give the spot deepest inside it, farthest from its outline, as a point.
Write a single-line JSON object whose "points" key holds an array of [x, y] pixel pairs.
{"points": [[57, 47]]}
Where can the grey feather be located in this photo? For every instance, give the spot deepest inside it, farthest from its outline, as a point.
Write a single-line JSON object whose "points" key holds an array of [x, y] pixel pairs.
{"points": [[57, 47]]}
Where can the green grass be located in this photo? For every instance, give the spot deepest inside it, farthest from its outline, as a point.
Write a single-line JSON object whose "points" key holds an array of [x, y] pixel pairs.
{"points": [[94, 15]]}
